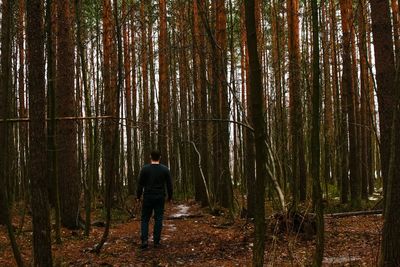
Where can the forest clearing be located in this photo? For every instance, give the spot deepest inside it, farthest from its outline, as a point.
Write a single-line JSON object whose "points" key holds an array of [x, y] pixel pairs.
{"points": [[193, 237]]}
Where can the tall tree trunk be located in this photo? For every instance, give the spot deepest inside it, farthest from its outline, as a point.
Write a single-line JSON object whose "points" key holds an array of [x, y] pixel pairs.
{"points": [[89, 173], [225, 188], [249, 148], [145, 94], [128, 99], [315, 140], [164, 103], [54, 188], [365, 135], [296, 121], [152, 89], [68, 175], [110, 130], [328, 102], [257, 108], [340, 115], [385, 77], [5, 106], [389, 147], [280, 109], [136, 165], [200, 101], [22, 96], [348, 87], [5, 112], [37, 135], [396, 29], [184, 89]]}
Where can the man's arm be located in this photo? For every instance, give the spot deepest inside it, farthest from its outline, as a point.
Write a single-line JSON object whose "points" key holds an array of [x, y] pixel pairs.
{"points": [[169, 185], [140, 185]]}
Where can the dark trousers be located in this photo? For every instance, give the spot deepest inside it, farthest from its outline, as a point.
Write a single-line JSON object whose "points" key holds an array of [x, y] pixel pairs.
{"points": [[151, 203]]}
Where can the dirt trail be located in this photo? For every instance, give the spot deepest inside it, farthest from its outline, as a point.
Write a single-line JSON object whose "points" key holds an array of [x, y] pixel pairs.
{"points": [[191, 237]]}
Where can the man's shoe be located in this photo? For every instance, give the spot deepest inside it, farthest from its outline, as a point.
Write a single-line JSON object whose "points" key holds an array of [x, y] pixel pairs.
{"points": [[157, 245], [144, 245]]}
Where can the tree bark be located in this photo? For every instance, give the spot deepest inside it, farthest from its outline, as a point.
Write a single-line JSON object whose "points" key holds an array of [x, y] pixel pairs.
{"points": [[249, 148], [200, 100], [225, 194], [315, 140], [389, 125], [37, 135], [348, 89], [385, 76], [257, 108], [128, 99], [145, 94], [68, 175], [163, 86], [299, 183]]}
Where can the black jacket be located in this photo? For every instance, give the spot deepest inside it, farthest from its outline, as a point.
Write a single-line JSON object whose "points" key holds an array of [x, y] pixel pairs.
{"points": [[153, 179]]}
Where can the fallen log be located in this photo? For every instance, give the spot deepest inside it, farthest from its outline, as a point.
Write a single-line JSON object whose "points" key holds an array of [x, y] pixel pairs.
{"points": [[353, 213], [184, 216]]}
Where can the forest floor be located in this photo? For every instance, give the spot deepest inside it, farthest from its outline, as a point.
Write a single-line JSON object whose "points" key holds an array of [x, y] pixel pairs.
{"points": [[192, 237]]}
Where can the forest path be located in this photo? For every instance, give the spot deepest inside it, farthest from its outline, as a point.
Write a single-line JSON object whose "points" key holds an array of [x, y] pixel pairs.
{"points": [[192, 237]]}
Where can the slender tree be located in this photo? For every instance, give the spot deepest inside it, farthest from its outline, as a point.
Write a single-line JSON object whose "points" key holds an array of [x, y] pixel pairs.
{"points": [[144, 66], [385, 76], [315, 139], [128, 97], [5, 103], [389, 146], [164, 85], [68, 175], [110, 130], [37, 135], [5, 106], [257, 106], [349, 90], [225, 193], [249, 148], [299, 183], [200, 101]]}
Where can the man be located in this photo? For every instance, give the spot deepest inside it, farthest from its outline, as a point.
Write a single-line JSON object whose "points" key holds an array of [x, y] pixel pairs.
{"points": [[153, 179]]}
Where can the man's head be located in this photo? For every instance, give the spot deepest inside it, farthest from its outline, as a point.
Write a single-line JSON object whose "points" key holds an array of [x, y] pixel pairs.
{"points": [[155, 155]]}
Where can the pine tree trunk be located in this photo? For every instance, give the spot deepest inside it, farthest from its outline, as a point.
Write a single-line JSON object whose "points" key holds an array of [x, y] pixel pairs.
{"points": [[128, 99], [68, 176], [145, 135], [256, 103], [328, 102], [299, 183], [225, 190], [315, 140], [23, 131], [37, 135], [110, 128], [389, 127], [385, 76], [163, 86], [365, 136], [249, 149], [348, 89], [200, 102]]}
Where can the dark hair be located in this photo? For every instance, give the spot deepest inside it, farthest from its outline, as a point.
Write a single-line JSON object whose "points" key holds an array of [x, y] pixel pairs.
{"points": [[155, 155]]}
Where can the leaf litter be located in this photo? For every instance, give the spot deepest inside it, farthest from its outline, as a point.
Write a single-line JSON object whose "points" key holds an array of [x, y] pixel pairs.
{"points": [[196, 241]]}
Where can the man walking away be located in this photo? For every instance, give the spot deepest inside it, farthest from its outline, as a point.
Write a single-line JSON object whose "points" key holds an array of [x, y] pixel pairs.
{"points": [[153, 180]]}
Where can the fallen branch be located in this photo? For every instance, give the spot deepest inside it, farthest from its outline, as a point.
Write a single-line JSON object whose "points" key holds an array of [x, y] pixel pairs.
{"points": [[186, 216], [354, 213]]}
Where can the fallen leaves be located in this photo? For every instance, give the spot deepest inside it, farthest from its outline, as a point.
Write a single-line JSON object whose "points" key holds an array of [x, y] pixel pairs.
{"points": [[199, 239]]}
